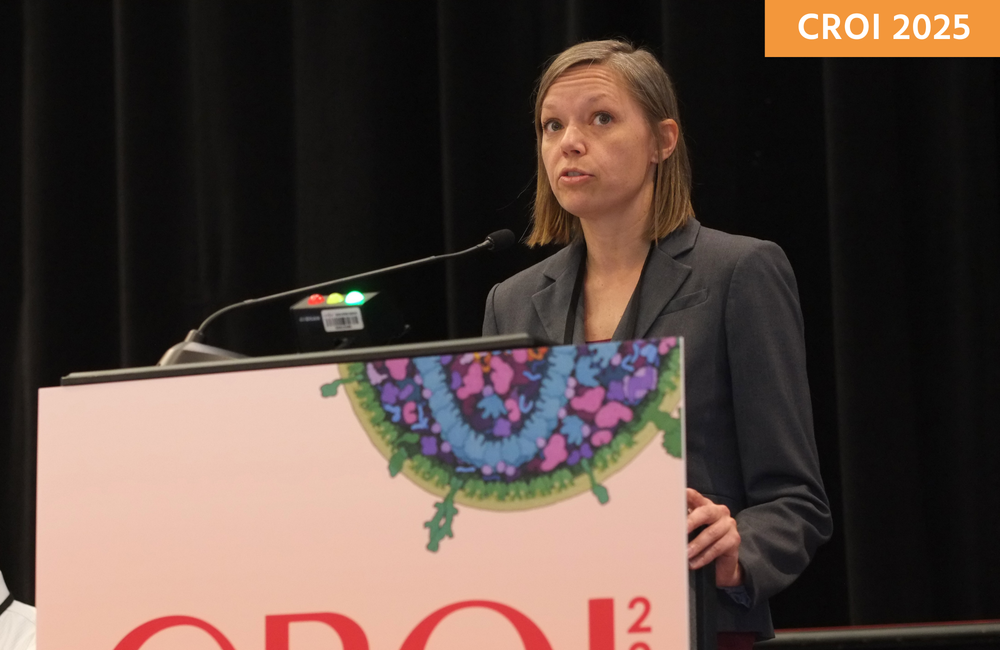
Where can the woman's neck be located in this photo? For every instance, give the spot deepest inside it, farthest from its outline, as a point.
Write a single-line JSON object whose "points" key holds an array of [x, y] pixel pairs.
{"points": [[616, 252], [615, 248]]}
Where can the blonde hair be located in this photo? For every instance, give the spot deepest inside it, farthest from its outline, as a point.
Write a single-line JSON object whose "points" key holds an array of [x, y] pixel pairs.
{"points": [[652, 89]]}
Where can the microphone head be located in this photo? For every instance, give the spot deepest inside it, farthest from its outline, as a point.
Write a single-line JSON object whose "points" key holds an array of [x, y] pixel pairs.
{"points": [[500, 240]]}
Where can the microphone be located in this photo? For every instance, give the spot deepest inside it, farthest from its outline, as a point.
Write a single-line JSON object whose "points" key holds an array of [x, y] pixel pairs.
{"points": [[500, 240], [192, 348]]}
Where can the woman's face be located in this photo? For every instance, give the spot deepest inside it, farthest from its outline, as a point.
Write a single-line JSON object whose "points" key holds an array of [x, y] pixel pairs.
{"points": [[598, 151]]}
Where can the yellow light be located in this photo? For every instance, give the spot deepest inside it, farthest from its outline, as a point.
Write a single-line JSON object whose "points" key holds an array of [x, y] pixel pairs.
{"points": [[354, 298], [335, 299]]}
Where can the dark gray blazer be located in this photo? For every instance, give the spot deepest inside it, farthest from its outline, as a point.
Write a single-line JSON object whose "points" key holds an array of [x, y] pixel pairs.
{"points": [[750, 438]]}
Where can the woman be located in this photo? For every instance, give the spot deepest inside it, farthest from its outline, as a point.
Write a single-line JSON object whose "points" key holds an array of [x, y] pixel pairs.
{"points": [[614, 184]]}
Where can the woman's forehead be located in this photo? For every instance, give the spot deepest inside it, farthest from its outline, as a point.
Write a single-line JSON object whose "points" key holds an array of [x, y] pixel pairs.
{"points": [[589, 82]]}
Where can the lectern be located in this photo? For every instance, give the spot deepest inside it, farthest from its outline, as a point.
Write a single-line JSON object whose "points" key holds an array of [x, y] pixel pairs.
{"points": [[470, 494]]}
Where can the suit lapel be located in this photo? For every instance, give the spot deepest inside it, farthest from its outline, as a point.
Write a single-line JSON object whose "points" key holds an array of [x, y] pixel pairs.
{"points": [[664, 275], [552, 303]]}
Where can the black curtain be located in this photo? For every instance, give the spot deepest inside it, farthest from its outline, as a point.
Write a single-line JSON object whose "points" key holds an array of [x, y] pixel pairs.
{"points": [[915, 235], [161, 159]]}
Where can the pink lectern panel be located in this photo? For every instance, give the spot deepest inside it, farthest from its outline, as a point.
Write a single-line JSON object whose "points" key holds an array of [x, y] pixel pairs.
{"points": [[256, 510]]}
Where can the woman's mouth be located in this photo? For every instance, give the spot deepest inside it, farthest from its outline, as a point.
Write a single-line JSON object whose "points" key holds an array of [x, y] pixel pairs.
{"points": [[574, 177]]}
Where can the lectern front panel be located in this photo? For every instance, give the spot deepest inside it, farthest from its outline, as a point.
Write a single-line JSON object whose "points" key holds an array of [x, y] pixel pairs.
{"points": [[528, 498]]}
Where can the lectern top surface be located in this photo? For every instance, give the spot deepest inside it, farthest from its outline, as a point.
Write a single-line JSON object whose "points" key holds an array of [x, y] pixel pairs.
{"points": [[504, 341]]}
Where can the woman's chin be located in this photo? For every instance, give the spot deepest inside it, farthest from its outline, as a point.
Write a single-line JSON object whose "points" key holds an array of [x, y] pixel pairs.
{"points": [[588, 213], [578, 206]]}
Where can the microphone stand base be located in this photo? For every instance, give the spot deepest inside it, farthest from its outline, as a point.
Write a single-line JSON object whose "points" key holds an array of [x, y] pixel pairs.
{"points": [[194, 352]]}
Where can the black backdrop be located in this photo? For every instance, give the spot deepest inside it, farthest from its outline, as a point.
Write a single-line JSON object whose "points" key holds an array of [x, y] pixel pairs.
{"points": [[161, 159]]}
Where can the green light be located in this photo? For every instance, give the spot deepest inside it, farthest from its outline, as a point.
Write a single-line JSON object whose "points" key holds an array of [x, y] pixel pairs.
{"points": [[354, 298]]}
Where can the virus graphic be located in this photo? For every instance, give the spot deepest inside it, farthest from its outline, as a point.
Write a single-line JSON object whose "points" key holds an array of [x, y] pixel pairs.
{"points": [[517, 429]]}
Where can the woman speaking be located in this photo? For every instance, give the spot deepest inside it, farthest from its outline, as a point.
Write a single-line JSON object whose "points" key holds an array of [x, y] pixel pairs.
{"points": [[614, 185]]}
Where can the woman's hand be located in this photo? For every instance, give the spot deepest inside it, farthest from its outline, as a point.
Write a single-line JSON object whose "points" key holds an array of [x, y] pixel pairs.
{"points": [[720, 541]]}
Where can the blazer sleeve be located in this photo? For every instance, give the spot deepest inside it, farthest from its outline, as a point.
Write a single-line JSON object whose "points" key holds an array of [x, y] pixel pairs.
{"points": [[787, 515], [490, 318]]}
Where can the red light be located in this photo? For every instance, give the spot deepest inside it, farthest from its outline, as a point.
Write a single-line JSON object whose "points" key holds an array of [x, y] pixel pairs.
{"points": [[316, 299]]}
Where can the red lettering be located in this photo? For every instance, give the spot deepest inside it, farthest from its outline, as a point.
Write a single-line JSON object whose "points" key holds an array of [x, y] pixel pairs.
{"points": [[137, 637], [638, 627], [352, 637], [602, 624], [531, 636]]}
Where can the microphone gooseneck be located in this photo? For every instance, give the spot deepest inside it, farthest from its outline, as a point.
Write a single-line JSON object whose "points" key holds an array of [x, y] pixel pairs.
{"points": [[496, 242]]}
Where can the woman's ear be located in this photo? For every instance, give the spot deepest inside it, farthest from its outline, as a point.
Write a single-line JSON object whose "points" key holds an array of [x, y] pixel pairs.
{"points": [[669, 133]]}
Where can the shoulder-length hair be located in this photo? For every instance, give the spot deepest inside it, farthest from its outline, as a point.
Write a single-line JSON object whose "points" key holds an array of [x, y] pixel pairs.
{"points": [[652, 89]]}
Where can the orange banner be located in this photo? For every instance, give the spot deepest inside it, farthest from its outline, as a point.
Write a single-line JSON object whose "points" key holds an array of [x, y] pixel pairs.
{"points": [[868, 28]]}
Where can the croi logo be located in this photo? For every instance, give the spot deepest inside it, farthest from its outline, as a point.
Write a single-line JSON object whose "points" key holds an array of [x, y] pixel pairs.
{"points": [[352, 637]]}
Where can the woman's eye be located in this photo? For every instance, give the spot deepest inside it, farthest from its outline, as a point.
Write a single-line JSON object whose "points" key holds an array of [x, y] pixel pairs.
{"points": [[551, 126], [603, 119]]}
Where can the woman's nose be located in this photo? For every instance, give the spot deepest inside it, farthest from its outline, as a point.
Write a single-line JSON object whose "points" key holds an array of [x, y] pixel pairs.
{"points": [[573, 141]]}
